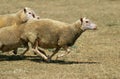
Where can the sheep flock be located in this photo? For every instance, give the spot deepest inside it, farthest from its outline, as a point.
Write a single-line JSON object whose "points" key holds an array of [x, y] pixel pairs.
{"points": [[25, 27]]}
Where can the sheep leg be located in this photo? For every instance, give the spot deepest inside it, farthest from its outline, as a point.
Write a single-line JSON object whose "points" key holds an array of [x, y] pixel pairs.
{"points": [[28, 48], [0, 45], [36, 50], [32, 38], [34, 42], [15, 51], [25, 51], [42, 52], [67, 52], [54, 52]]}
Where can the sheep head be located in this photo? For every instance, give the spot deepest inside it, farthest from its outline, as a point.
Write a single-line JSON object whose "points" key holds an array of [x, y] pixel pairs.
{"points": [[27, 14], [87, 24], [30, 13]]}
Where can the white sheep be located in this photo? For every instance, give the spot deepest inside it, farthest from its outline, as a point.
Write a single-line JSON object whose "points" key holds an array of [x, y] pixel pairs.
{"points": [[19, 17], [47, 33]]}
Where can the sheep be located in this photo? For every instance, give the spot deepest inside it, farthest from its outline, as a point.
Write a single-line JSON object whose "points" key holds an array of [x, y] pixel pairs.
{"points": [[48, 33], [19, 17], [10, 38], [28, 45]]}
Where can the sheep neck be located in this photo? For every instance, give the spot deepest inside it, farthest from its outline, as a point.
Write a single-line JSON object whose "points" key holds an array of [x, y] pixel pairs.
{"points": [[18, 17], [77, 32], [77, 29]]}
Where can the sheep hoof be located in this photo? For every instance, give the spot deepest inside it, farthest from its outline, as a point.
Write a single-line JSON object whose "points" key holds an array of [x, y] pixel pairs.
{"points": [[48, 59], [57, 58]]}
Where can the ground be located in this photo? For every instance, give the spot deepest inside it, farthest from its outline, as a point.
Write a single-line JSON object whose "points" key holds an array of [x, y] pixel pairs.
{"points": [[95, 55]]}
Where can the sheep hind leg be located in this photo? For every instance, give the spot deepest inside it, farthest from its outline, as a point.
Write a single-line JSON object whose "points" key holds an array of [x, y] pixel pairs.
{"points": [[36, 50], [33, 44], [62, 55], [42, 52]]}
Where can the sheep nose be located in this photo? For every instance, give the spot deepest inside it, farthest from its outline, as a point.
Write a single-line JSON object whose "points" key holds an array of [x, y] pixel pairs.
{"points": [[95, 28], [38, 17]]}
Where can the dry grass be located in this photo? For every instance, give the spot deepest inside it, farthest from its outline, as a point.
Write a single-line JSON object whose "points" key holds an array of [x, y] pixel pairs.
{"points": [[95, 55]]}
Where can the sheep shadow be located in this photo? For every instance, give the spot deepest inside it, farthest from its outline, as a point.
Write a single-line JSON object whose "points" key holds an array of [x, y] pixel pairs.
{"points": [[37, 59], [17, 57], [63, 62]]}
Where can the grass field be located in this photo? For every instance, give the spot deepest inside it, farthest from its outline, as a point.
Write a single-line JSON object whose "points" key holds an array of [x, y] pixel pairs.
{"points": [[95, 55]]}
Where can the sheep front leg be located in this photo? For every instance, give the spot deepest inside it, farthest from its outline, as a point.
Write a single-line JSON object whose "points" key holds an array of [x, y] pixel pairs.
{"points": [[54, 52], [15, 51], [67, 52], [25, 51], [29, 46], [0, 45]]}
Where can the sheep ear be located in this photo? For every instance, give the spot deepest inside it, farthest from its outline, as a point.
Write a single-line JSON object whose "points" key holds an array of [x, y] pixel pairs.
{"points": [[81, 20], [25, 10]]}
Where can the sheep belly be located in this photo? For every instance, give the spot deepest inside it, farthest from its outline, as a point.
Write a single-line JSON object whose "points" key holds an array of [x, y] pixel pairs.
{"points": [[48, 42], [10, 47]]}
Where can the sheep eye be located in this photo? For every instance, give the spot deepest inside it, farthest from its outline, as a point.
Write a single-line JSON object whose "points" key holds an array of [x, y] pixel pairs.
{"points": [[86, 21], [29, 13]]}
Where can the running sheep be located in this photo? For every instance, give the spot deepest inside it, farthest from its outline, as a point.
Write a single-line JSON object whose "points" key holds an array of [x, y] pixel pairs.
{"points": [[19, 17], [48, 33], [10, 38]]}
